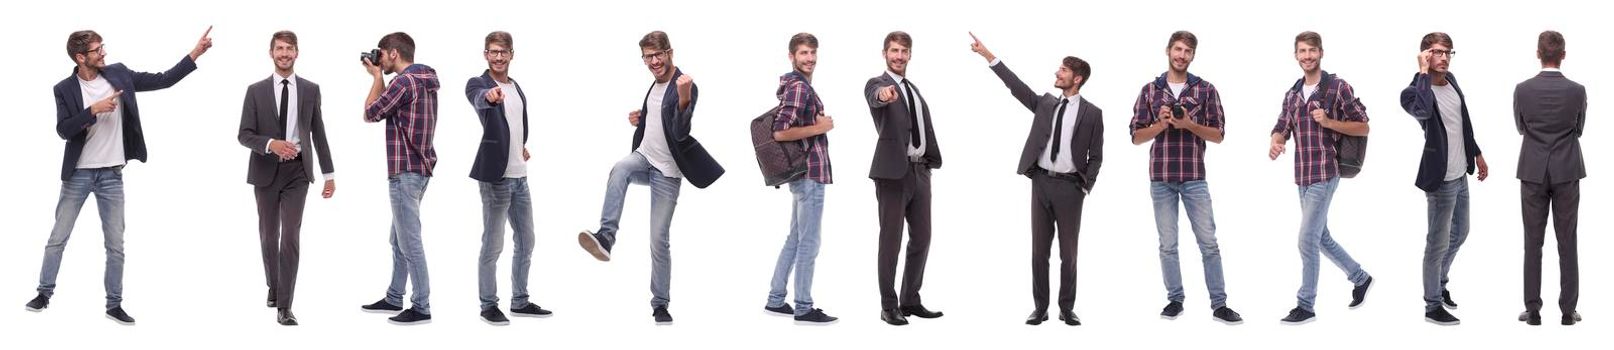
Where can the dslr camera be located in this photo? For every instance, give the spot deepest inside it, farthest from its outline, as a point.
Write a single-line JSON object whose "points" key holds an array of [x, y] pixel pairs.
{"points": [[1178, 112], [374, 57]]}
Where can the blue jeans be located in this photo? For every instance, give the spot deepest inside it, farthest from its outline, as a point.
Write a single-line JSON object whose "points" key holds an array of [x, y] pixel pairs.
{"points": [[1314, 236], [1195, 197], [107, 185], [1448, 228], [506, 200], [408, 253], [801, 246], [635, 169]]}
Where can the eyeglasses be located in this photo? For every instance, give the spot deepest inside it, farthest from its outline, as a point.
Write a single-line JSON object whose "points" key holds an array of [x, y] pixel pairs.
{"points": [[499, 53], [101, 50], [1442, 53], [662, 55]]}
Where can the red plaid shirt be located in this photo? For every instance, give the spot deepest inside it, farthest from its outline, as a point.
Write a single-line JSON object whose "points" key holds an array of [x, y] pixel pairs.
{"points": [[799, 106], [1178, 155], [1315, 156], [409, 105]]}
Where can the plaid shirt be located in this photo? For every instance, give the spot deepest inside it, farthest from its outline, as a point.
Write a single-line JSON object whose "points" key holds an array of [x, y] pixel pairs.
{"points": [[410, 107], [799, 106], [1315, 156], [1178, 155]]}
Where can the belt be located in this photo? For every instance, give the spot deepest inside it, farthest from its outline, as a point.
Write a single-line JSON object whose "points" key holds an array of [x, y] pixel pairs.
{"points": [[1071, 176]]}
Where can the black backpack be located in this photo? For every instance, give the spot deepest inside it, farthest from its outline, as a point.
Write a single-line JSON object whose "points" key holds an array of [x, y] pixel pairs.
{"points": [[780, 161]]}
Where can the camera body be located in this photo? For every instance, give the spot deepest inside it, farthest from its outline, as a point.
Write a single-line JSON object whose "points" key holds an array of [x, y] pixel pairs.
{"points": [[1178, 111], [374, 56]]}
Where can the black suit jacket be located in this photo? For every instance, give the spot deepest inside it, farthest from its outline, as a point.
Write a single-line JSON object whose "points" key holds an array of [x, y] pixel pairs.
{"points": [[73, 118], [260, 122], [893, 124], [1086, 147], [1550, 112], [697, 165], [494, 154]]}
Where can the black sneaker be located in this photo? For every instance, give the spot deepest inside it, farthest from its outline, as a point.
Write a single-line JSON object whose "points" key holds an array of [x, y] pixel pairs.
{"points": [[381, 306], [1445, 298], [1359, 294], [1172, 310], [495, 317], [411, 317], [816, 318], [781, 310], [595, 246], [117, 314], [1227, 315], [1441, 317], [662, 316], [531, 310], [1299, 316], [39, 303]]}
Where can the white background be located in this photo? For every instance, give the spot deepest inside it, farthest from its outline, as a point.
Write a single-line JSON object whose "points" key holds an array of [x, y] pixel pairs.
{"points": [[194, 276]]}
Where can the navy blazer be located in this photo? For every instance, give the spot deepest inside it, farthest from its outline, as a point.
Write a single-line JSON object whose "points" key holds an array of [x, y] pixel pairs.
{"points": [[1418, 99], [494, 154], [697, 165], [73, 118]]}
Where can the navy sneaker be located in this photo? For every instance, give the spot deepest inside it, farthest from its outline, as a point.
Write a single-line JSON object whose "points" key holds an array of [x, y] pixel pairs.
{"points": [[781, 310], [816, 318], [595, 246], [381, 306], [411, 317]]}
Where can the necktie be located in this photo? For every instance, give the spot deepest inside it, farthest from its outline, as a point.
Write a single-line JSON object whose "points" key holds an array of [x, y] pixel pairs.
{"points": [[1059, 128], [913, 116], [285, 92]]}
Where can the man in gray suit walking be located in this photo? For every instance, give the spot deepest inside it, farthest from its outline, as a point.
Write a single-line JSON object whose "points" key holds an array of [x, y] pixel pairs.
{"points": [[1550, 112], [280, 119]]}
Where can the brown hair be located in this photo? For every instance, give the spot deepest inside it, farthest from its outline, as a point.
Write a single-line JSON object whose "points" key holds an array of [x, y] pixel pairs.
{"points": [[79, 42], [284, 35], [655, 40], [1078, 67], [499, 37], [803, 39], [1550, 46], [899, 37], [1429, 40], [1186, 38], [401, 42], [1310, 38]]}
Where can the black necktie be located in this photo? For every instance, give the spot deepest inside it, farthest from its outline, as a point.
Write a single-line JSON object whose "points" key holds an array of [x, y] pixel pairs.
{"points": [[285, 92], [1059, 128], [913, 116]]}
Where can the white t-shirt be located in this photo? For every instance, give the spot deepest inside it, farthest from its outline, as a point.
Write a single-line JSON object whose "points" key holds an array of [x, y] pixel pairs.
{"points": [[516, 166], [104, 139], [1307, 90], [654, 145], [1176, 88], [1451, 113]]}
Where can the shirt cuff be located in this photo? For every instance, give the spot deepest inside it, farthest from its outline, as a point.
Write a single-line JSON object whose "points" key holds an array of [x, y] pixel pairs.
{"points": [[995, 61], [266, 148], [330, 176]]}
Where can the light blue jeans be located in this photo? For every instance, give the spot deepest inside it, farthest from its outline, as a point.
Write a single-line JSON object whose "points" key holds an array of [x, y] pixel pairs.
{"points": [[107, 185], [1448, 228], [635, 169], [1195, 197], [408, 253], [1314, 237], [505, 200], [801, 246]]}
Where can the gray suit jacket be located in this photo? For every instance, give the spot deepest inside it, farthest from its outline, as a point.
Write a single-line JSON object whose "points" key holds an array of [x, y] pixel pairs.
{"points": [[260, 121], [1086, 147], [1549, 110], [892, 123]]}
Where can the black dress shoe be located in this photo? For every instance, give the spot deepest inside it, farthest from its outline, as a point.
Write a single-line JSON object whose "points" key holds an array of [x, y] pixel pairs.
{"points": [[893, 317], [1571, 318], [919, 311], [285, 318], [1069, 318], [1037, 317], [1532, 318]]}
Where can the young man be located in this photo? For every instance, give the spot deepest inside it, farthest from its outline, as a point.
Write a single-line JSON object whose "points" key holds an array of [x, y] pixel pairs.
{"points": [[801, 118], [904, 154], [280, 118], [1062, 155], [1449, 155], [663, 155], [409, 106], [1179, 111], [1549, 110], [500, 170], [1316, 111], [97, 113]]}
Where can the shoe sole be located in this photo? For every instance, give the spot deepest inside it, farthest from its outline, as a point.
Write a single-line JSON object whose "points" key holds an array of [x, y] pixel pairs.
{"points": [[1449, 306], [122, 322], [382, 311], [413, 323], [32, 309], [496, 323], [1364, 295], [776, 313], [1431, 320], [667, 323], [1168, 317], [816, 323], [1230, 323], [518, 314], [593, 246], [1297, 323]]}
